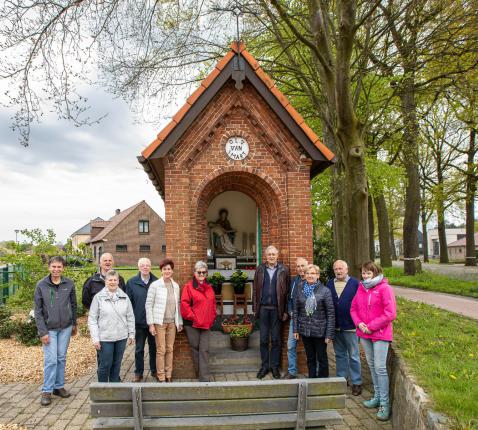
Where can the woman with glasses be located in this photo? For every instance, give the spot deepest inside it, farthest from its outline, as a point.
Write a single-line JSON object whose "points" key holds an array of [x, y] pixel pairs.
{"points": [[198, 308], [314, 321]]}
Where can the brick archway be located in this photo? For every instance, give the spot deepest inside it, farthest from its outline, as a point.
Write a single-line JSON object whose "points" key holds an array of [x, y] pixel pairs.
{"points": [[251, 182]]}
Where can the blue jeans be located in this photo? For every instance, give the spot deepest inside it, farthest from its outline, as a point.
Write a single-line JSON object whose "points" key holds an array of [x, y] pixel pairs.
{"points": [[111, 355], [141, 335], [347, 357], [292, 351], [376, 355], [55, 359]]}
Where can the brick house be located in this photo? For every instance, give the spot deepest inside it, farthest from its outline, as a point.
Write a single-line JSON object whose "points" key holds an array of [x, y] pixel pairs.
{"points": [[236, 143], [130, 234]]}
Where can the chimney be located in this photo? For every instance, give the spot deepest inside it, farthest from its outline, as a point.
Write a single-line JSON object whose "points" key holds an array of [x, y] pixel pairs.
{"points": [[117, 211]]}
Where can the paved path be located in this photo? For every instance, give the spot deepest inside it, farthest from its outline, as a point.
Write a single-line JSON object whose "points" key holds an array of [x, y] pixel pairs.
{"points": [[20, 403], [458, 271], [466, 306]]}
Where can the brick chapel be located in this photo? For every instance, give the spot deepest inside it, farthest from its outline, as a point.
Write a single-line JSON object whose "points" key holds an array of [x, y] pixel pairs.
{"points": [[237, 155]]}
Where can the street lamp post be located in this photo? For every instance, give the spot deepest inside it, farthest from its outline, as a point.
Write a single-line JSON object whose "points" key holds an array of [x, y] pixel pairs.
{"points": [[16, 235]]}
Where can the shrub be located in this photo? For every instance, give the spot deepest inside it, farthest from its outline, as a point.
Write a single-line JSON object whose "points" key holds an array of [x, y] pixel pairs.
{"points": [[83, 330], [5, 313], [27, 333], [7, 328]]}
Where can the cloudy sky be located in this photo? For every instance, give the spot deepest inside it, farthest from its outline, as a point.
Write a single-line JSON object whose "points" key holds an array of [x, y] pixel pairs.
{"points": [[69, 175]]}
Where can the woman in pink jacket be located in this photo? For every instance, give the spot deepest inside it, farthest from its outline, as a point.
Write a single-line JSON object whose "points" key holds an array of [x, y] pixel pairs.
{"points": [[373, 310]]}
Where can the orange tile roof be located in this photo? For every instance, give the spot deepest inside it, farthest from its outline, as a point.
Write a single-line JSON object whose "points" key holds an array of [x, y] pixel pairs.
{"points": [[328, 154]]}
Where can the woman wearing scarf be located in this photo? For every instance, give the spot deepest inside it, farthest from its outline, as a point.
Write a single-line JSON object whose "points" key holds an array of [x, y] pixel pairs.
{"points": [[314, 321], [373, 310], [198, 308]]}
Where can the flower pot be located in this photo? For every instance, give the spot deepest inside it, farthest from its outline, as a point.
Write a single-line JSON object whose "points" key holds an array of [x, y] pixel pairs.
{"points": [[217, 288], [239, 288], [239, 343]]}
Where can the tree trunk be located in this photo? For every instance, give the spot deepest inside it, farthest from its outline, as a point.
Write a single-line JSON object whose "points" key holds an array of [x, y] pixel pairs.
{"points": [[425, 237], [471, 179], [392, 240], [371, 229], [410, 160], [383, 231], [442, 233]]}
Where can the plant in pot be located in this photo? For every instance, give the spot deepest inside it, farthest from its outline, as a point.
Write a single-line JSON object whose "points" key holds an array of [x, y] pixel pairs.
{"points": [[216, 280], [238, 280], [239, 336], [236, 321]]}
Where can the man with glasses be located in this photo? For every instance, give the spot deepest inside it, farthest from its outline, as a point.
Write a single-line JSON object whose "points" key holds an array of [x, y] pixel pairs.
{"points": [[347, 357], [271, 283], [301, 265]]}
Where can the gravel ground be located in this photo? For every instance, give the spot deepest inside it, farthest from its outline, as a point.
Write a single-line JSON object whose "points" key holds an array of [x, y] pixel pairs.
{"points": [[20, 363]]}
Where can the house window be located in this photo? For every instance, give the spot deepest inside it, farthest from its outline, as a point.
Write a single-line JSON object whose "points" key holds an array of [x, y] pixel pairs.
{"points": [[144, 248], [163, 249], [121, 248], [143, 226]]}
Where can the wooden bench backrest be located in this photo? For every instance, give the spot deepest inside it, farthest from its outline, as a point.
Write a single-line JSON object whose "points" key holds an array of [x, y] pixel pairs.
{"points": [[216, 398]]}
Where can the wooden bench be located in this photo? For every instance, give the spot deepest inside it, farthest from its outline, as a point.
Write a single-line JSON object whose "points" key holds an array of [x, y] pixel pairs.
{"points": [[239, 405]]}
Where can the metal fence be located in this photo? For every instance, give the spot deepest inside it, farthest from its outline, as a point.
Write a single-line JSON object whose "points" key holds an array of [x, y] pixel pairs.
{"points": [[7, 286]]}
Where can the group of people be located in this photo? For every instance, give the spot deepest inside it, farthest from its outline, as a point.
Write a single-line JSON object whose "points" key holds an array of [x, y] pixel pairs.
{"points": [[341, 312], [148, 309]]}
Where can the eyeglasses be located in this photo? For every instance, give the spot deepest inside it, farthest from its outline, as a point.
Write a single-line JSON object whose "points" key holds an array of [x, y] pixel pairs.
{"points": [[311, 273], [201, 273]]}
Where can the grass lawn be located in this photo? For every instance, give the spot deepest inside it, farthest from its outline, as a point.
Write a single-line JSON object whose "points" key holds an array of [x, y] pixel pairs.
{"points": [[432, 282], [129, 271], [441, 349]]}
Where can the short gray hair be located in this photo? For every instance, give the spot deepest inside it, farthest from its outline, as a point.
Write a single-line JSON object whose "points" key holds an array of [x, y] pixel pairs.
{"points": [[112, 274], [144, 260], [200, 265], [341, 262], [271, 248]]}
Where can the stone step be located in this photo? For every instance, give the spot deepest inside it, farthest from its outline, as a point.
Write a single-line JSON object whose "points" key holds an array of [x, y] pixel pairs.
{"points": [[230, 357], [235, 368], [219, 341]]}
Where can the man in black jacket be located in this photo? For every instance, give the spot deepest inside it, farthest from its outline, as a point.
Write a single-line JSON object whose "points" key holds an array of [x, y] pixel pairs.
{"points": [[271, 284], [94, 284], [55, 317], [137, 290]]}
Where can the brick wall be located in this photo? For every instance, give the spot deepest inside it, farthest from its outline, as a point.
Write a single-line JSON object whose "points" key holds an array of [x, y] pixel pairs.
{"points": [[275, 174], [127, 233]]}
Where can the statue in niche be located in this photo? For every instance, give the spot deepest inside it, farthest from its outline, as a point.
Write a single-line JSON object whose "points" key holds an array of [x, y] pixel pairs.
{"points": [[223, 235]]}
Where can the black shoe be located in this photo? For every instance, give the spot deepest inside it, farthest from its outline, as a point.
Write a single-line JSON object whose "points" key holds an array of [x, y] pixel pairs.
{"points": [[61, 392], [275, 373], [356, 390], [45, 399], [290, 376], [262, 372]]}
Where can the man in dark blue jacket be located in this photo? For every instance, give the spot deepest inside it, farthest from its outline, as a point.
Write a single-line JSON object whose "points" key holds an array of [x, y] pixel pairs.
{"points": [[301, 265], [347, 357], [137, 291]]}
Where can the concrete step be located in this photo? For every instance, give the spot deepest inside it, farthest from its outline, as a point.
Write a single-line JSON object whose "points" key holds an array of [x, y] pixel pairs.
{"points": [[219, 341], [230, 357], [238, 368]]}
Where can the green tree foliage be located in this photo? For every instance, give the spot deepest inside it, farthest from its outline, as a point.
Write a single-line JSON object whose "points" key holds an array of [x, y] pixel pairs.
{"points": [[30, 266]]}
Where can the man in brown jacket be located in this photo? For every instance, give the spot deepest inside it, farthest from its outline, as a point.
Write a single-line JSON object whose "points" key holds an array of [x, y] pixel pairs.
{"points": [[271, 283]]}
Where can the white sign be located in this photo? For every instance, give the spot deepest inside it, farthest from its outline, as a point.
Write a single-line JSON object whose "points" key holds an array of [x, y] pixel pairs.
{"points": [[237, 148]]}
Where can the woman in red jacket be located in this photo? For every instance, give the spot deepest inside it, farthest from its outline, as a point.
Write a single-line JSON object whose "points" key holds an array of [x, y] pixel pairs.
{"points": [[198, 308]]}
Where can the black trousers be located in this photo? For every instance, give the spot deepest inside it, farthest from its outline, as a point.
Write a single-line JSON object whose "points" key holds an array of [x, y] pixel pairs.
{"points": [[316, 351], [270, 326], [143, 334]]}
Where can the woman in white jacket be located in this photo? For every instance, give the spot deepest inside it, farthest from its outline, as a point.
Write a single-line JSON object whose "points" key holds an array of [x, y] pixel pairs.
{"points": [[111, 324], [163, 318]]}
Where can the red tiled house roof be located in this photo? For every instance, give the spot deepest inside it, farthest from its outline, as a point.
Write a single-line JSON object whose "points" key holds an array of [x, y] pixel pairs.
{"points": [[322, 156]]}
